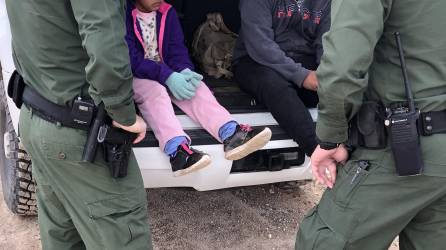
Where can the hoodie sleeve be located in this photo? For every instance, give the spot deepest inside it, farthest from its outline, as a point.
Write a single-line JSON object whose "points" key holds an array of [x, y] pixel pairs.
{"points": [[258, 38], [141, 67], [177, 56], [323, 27]]}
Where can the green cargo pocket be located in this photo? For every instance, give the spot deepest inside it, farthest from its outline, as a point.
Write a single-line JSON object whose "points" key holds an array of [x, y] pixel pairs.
{"points": [[327, 239], [327, 226], [315, 234], [348, 181], [333, 222], [120, 221]]}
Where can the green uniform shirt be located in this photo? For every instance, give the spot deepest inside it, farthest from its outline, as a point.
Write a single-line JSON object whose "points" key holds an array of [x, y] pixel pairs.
{"points": [[68, 48], [361, 59]]}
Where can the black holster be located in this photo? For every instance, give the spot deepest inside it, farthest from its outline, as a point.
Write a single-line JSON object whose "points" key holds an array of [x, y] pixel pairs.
{"points": [[117, 148], [366, 129]]}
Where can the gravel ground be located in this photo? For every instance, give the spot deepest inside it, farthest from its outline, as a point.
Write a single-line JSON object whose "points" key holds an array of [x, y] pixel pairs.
{"points": [[260, 217]]}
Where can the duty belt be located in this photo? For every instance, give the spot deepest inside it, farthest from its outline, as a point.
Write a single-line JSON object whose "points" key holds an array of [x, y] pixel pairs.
{"points": [[433, 122], [50, 111], [59, 114]]}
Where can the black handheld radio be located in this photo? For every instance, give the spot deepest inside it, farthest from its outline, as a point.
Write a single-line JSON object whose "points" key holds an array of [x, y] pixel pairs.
{"points": [[402, 124]]}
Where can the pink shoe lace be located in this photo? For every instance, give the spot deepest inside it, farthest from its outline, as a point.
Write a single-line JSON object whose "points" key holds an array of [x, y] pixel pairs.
{"points": [[245, 128], [186, 148]]}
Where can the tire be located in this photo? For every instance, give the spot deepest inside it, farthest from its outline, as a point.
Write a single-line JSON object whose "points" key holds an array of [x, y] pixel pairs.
{"points": [[18, 184]]}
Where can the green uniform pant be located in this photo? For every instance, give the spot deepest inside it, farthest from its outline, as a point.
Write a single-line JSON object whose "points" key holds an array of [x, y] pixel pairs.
{"points": [[80, 206], [370, 210]]}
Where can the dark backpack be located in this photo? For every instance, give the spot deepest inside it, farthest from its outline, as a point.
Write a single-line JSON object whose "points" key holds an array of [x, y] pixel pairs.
{"points": [[213, 46]]}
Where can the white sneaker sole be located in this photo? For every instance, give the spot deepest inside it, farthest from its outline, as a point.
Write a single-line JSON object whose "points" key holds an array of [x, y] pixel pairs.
{"points": [[256, 143], [202, 163]]}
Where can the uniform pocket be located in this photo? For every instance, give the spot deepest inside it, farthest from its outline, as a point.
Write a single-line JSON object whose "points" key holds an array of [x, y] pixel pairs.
{"points": [[120, 220], [58, 142], [326, 239], [332, 223], [315, 234], [55, 150], [349, 179], [63, 152]]}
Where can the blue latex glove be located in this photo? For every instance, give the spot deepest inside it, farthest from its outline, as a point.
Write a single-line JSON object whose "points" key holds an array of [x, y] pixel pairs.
{"points": [[180, 88], [192, 77]]}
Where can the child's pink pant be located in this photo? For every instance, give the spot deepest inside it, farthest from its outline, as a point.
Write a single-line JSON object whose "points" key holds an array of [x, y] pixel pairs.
{"points": [[156, 108]]}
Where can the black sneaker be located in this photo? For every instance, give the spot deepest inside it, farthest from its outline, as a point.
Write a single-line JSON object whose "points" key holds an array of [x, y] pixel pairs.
{"points": [[187, 160], [245, 141]]}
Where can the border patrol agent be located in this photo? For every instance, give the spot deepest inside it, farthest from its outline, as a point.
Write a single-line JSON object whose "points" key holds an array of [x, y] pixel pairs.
{"points": [[64, 50], [367, 204]]}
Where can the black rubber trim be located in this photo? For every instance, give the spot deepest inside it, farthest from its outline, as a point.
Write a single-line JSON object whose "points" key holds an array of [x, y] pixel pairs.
{"points": [[235, 103], [201, 137]]}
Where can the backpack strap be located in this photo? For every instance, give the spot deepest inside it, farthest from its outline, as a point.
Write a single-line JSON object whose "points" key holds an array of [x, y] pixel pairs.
{"points": [[197, 38]]}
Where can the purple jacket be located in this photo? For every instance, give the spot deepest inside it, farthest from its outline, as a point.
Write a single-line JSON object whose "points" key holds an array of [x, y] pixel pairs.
{"points": [[173, 52]]}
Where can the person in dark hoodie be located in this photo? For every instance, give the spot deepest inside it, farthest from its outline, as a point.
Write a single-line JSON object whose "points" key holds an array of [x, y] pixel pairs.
{"points": [[164, 74], [275, 58]]}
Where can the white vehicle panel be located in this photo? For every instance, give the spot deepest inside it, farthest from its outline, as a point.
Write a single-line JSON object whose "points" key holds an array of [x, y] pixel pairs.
{"points": [[5, 40], [6, 60], [156, 171]]}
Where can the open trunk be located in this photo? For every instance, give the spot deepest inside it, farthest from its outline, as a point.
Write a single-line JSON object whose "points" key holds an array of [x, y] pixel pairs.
{"points": [[192, 14]]}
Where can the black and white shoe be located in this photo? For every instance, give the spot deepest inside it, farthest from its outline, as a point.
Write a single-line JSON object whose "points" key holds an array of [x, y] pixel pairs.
{"points": [[187, 160], [245, 141]]}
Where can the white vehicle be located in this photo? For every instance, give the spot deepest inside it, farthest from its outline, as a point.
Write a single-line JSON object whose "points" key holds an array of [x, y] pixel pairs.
{"points": [[280, 160]]}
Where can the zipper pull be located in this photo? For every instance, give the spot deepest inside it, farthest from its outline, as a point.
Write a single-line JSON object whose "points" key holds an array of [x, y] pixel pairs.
{"points": [[362, 165]]}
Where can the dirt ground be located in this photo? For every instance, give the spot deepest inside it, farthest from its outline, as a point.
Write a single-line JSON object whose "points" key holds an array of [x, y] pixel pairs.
{"points": [[16, 232], [260, 217]]}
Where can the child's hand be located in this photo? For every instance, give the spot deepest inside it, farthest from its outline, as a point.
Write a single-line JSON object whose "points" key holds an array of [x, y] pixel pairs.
{"points": [[180, 88], [192, 77]]}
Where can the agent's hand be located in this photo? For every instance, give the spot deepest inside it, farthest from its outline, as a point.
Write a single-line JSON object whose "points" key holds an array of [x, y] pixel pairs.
{"points": [[139, 127], [323, 164], [311, 82], [180, 88], [192, 77]]}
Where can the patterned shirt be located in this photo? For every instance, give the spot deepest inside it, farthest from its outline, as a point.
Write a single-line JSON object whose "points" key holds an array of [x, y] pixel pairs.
{"points": [[147, 22]]}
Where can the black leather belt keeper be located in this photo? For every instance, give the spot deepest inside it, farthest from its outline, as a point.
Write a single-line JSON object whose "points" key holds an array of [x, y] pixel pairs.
{"points": [[433, 122]]}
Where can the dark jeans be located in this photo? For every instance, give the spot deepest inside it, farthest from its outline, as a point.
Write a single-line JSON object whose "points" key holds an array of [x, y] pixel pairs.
{"points": [[287, 103]]}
